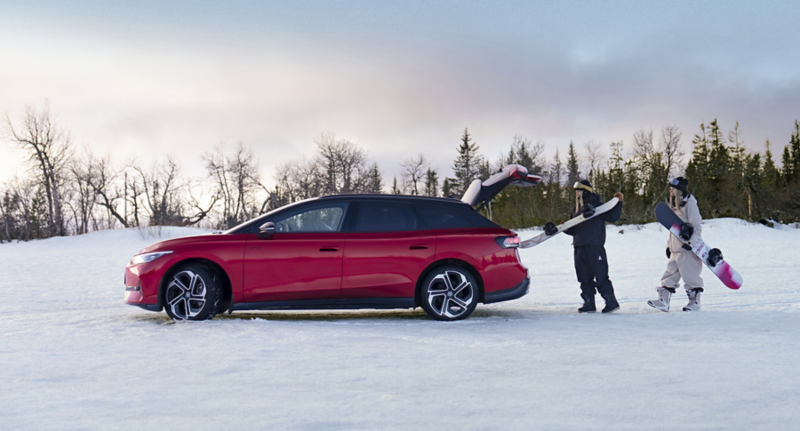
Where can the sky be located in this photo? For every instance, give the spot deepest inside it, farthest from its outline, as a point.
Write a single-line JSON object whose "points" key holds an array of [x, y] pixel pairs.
{"points": [[139, 80]]}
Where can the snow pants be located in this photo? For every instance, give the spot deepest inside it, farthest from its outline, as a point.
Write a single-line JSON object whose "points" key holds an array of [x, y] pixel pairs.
{"points": [[686, 265], [591, 266]]}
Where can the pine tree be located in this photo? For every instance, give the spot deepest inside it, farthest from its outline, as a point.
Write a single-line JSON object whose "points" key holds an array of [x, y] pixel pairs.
{"points": [[793, 158], [431, 183], [770, 174], [467, 165], [697, 169], [395, 190], [573, 171], [447, 187], [556, 171], [374, 180]]}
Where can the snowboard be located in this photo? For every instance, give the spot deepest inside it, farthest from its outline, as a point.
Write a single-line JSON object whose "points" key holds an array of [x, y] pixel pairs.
{"points": [[722, 270], [542, 237]]}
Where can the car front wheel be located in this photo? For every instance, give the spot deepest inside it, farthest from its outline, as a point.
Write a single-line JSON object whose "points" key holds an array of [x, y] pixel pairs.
{"points": [[449, 293], [191, 294]]}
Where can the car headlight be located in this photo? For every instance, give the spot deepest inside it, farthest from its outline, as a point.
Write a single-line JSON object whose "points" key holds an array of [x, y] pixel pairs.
{"points": [[148, 257]]}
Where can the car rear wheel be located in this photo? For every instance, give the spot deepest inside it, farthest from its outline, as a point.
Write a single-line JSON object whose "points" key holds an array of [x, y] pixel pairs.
{"points": [[192, 293], [449, 293]]}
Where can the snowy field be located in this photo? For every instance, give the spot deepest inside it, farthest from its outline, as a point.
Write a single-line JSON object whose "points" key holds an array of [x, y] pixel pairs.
{"points": [[72, 355]]}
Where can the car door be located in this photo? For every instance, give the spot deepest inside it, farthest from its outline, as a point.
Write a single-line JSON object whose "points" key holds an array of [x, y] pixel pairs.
{"points": [[387, 248], [302, 260]]}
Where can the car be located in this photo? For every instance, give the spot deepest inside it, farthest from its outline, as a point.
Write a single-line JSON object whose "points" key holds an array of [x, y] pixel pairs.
{"points": [[342, 252]]}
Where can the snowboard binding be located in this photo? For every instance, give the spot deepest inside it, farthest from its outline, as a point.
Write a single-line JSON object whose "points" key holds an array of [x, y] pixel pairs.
{"points": [[687, 231], [714, 256]]}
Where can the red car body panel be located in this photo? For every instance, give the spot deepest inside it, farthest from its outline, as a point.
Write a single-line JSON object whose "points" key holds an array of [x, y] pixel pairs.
{"points": [[386, 264], [499, 268], [293, 266], [227, 251]]}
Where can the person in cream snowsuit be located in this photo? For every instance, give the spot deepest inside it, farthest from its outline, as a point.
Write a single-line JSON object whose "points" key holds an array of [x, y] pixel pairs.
{"points": [[683, 263]]}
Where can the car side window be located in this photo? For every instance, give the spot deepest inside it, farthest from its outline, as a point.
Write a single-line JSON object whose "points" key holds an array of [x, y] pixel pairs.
{"points": [[440, 217], [386, 217], [318, 219]]}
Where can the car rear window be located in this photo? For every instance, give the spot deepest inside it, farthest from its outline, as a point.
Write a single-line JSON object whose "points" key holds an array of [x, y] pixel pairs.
{"points": [[386, 217], [441, 217]]}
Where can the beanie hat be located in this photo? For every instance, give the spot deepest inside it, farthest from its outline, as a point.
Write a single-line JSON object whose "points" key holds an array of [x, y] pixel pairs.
{"points": [[679, 183], [583, 185]]}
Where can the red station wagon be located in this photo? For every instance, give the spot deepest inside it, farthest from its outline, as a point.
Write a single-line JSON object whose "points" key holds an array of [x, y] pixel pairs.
{"points": [[342, 252]]}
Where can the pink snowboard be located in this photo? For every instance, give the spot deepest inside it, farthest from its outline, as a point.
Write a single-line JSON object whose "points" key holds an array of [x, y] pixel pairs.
{"points": [[722, 270]]}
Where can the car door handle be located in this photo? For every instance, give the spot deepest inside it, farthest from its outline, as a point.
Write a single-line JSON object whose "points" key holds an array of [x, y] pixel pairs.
{"points": [[329, 249], [418, 247]]}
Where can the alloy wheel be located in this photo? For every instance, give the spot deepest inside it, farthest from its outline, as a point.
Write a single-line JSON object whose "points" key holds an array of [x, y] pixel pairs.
{"points": [[186, 295], [450, 294]]}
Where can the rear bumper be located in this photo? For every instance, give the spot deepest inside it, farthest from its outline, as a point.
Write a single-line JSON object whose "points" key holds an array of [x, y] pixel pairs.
{"points": [[515, 292]]}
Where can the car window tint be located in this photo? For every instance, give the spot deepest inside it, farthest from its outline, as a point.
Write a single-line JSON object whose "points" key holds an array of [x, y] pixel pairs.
{"points": [[317, 219], [386, 217], [441, 217]]}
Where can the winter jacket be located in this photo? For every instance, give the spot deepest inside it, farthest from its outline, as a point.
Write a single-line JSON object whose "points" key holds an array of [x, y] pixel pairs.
{"points": [[689, 213], [593, 231]]}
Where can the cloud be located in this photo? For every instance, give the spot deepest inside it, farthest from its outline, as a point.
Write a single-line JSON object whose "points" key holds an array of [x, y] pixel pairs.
{"points": [[404, 84]]}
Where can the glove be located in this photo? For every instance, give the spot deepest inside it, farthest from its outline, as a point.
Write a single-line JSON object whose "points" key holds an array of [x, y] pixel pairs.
{"points": [[669, 253], [686, 247], [588, 210], [687, 231], [619, 196], [550, 228]]}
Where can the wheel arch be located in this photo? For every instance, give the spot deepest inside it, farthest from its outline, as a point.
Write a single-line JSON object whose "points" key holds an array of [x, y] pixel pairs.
{"points": [[449, 261], [227, 290]]}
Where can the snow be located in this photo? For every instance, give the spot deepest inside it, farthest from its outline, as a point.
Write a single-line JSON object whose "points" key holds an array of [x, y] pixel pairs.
{"points": [[72, 355]]}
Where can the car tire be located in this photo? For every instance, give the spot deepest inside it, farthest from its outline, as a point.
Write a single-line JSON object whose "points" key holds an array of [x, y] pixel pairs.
{"points": [[192, 292], [449, 293]]}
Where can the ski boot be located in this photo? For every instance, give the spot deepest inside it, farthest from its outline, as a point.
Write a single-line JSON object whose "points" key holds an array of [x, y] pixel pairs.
{"points": [[588, 304], [611, 303], [694, 299], [664, 295]]}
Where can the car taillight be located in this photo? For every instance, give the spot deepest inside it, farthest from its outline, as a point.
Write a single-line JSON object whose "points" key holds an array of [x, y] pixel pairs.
{"points": [[507, 241]]}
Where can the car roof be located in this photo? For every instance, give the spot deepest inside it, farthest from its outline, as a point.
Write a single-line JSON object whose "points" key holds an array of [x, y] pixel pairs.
{"points": [[370, 196]]}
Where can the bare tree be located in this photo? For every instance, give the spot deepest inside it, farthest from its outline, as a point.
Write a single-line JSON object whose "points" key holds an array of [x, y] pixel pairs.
{"points": [[107, 190], [413, 172], [49, 150], [83, 197], [670, 147], [161, 191], [594, 155], [343, 164], [296, 181], [642, 146], [237, 183]]}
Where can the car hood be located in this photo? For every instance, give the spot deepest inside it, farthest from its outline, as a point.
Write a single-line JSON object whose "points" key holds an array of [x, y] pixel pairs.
{"points": [[170, 244]]}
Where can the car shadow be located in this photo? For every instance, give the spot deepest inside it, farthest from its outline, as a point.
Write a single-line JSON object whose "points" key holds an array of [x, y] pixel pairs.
{"points": [[362, 315]]}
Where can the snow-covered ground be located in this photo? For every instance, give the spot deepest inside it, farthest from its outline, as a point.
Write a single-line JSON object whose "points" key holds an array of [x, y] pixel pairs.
{"points": [[72, 355]]}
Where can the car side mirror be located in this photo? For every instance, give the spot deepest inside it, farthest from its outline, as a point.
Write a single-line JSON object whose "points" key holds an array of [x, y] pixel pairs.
{"points": [[266, 230]]}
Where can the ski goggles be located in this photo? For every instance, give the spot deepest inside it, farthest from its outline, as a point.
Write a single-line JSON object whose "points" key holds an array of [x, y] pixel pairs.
{"points": [[580, 186]]}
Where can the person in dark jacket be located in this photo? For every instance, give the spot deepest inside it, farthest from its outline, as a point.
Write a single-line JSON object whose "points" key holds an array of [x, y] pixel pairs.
{"points": [[588, 239]]}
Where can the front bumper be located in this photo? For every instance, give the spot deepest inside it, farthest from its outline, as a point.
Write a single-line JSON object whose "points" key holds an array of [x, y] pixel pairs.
{"points": [[515, 292], [141, 285]]}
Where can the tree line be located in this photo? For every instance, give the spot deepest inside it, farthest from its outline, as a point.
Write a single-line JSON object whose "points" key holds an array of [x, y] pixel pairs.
{"points": [[70, 190]]}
